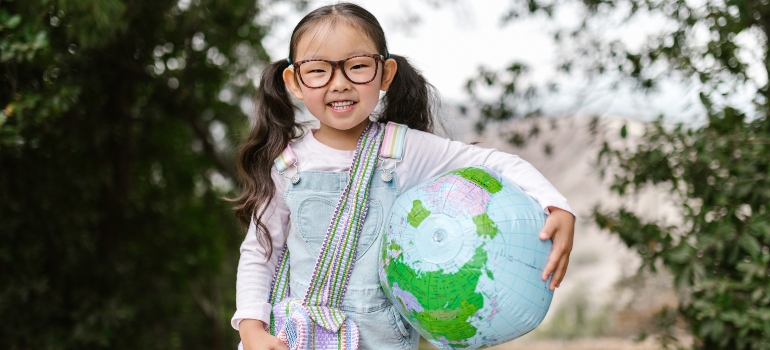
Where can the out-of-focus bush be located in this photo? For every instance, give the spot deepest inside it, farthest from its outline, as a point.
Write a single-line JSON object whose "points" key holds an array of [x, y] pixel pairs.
{"points": [[719, 254], [716, 166], [116, 135]]}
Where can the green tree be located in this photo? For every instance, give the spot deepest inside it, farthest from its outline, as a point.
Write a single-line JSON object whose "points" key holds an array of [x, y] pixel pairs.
{"points": [[716, 167], [116, 132]]}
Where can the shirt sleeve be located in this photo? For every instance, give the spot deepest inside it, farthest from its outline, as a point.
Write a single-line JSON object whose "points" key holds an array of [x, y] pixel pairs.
{"points": [[255, 270], [427, 155]]}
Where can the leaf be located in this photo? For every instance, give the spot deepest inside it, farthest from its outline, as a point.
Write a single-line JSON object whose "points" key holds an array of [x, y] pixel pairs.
{"points": [[717, 328], [623, 131], [751, 245], [13, 22], [760, 227]]}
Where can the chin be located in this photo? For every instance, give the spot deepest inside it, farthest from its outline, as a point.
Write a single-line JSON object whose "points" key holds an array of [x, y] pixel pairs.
{"points": [[345, 124]]}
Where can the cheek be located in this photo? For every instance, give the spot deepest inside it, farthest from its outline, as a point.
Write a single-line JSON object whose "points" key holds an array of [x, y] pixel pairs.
{"points": [[313, 97], [370, 93]]}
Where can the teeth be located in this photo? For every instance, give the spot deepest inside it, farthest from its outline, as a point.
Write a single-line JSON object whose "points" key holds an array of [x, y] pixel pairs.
{"points": [[341, 104]]}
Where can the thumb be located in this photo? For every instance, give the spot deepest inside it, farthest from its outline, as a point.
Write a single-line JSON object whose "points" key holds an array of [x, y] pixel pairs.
{"points": [[549, 229]]}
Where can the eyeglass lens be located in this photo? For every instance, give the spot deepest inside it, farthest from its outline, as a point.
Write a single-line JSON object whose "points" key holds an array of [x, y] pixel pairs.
{"points": [[359, 70]]}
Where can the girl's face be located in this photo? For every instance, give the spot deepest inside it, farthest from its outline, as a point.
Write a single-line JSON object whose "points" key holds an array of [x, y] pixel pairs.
{"points": [[342, 107]]}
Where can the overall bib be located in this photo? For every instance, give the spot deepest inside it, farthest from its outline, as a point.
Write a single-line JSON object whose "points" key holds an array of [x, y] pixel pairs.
{"points": [[312, 202]]}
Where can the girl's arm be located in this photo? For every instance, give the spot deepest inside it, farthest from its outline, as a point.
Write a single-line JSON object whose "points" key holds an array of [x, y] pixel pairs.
{"points": [[255, 272], [427, 155]]}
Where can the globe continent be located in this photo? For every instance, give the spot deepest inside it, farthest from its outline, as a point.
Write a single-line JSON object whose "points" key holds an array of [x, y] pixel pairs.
{"points": [[461, 259]]}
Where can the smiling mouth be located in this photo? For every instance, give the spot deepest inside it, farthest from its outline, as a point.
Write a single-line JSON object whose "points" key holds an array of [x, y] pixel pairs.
{"points": [[341, 105]]}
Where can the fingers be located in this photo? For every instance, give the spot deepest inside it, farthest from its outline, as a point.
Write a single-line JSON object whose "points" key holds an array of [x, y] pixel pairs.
{"points": [[557, 250], [557, 262], [277, 344], [561, 270], [559, 226], [553, 261], [265, 342]]}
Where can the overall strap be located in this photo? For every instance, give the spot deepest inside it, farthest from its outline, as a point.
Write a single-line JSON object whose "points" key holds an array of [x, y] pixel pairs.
{"points": [[286, 160], [335, 261], [393, 142], [392, 147], [279, 289]]}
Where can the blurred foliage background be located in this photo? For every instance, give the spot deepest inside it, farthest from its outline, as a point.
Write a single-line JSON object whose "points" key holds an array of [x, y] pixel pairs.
{"points": [[116, 146], [715, 167], [119, 120]]}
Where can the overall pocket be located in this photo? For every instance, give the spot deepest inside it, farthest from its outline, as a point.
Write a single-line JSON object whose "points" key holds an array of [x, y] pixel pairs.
{"points": [[400, 327], [315, 213]]}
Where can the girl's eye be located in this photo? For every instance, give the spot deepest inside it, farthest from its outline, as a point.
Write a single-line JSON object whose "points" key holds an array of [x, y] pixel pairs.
{"points": [[318, 71], [358, 66]]}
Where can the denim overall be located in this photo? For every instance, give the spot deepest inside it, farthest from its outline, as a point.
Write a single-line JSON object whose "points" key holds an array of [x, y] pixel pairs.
{"points": [[312, 202]]}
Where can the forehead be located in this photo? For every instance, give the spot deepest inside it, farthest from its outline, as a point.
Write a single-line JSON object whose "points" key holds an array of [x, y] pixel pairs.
{"points": [[333, 40]]}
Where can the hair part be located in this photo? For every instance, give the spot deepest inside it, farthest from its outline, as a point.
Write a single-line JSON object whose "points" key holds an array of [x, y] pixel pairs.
{"points": [[410, 100]]}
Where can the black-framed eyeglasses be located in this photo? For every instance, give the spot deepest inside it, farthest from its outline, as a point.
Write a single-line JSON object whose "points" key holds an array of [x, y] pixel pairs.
{"points": [[358, 69]]}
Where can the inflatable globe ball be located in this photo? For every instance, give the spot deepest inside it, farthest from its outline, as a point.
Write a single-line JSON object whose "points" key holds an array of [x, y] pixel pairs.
{"points": [[461, 259]]}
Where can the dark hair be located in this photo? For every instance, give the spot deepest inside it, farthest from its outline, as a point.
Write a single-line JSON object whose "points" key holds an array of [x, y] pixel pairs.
{"points": [[410, 100]]}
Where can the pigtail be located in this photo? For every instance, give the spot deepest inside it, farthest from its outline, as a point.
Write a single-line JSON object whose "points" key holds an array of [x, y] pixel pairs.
{"points": [[274, 127], [410, 100]]}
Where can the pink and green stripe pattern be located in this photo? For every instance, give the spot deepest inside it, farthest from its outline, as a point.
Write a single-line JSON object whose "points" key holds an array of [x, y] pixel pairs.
{"points": [[393, 142], [285, 160]]}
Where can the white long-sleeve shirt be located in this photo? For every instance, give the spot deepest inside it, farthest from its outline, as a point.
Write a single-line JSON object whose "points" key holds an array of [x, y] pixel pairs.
{"points": [[425, 155]]}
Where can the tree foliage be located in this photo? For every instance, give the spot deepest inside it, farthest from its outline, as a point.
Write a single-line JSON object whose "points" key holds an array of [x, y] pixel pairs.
{"points": [[115, 149], [719, 254], [716, 167]]}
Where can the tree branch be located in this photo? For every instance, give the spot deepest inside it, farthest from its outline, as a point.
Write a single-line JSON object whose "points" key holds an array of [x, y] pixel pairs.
{"points": [[226, 167]]}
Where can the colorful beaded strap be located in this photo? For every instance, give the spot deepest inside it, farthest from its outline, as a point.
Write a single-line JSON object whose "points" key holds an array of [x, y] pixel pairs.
{"points": [[335, 261], [392, 147], [280, 287]]}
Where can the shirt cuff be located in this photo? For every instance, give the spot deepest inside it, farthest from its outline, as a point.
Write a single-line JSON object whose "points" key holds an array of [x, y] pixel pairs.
{"points": [[260, 312], [563, 205]]}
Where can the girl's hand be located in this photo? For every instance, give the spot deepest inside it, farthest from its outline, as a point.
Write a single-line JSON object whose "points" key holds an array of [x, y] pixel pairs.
{"points": [[255, 337], [560, 226]]}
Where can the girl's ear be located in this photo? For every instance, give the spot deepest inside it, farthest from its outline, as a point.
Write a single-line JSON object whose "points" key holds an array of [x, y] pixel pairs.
{"points": [[389, 69], [291, 82]]}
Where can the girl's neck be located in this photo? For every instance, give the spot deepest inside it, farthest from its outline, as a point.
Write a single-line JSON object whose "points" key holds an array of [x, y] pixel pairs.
{"points": [[345, 140]]}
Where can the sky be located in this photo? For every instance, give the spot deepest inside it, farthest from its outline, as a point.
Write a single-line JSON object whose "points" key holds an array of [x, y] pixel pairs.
{"points": [[449, 44]]}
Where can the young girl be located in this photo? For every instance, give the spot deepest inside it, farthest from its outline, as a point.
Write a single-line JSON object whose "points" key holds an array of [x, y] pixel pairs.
{"points": [[338, 63]]}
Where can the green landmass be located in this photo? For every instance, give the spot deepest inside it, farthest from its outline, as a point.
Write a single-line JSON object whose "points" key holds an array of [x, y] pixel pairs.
{"points": [[448, 299], [418, 213], [392, 246], [485, 227], [481, 178]]}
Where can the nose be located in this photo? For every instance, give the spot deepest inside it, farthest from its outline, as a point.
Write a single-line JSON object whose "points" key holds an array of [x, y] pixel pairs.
{"points": [[339, 82]]}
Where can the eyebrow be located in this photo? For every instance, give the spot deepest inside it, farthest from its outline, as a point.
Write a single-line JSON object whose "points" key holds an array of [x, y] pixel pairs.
{"points": [[350, 54]]}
